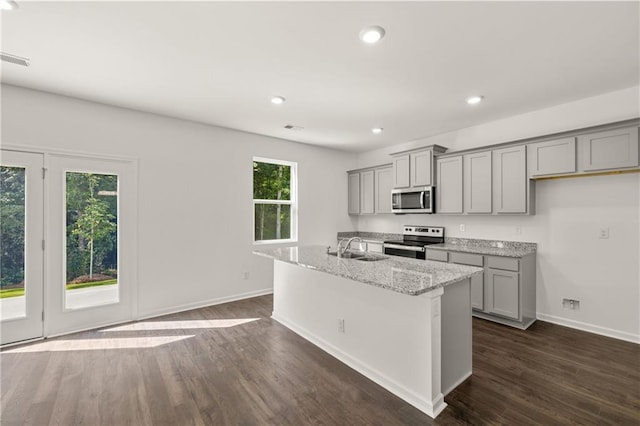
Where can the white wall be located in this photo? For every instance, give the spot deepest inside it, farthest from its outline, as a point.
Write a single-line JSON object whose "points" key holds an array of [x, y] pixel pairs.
{"points": [[195, 191], [572, 262]]}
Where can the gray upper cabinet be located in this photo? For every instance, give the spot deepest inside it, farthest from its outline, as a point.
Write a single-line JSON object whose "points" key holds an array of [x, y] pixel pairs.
{"points": [[415, 168], [370, 190], [612, 149], [421, 168], [477, 175], [552, 157], [383, 185], [449, 188], [510, 180], [367, 192], [401, 171], [354, 193]]}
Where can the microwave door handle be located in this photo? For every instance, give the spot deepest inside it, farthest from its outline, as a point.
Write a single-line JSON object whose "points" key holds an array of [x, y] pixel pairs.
{"points": [[423, 194]]}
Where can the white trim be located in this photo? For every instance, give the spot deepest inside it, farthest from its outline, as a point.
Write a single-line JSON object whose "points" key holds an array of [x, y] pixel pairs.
{"points": [[431, 408], [590, 328], [205, 303], [66, 153]]}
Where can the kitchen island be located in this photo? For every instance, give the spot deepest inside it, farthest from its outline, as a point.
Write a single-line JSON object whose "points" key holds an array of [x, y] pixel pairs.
{"points": [[403, 323]]}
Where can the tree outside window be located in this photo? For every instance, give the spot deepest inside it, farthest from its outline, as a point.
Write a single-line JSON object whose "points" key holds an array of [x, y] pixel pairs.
{"points": [[274, 200]]}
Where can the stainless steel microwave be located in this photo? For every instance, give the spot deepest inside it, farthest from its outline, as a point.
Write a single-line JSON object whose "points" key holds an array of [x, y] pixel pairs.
{"points": [[414, 200]]}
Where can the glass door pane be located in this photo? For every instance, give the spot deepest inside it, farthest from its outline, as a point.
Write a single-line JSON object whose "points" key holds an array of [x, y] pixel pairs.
{"points": [[12, 228], [91, 240], [21, 246]]}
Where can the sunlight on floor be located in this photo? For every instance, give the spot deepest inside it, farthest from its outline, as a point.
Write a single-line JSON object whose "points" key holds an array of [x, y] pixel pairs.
{"points": [[98, 344], [181, 325]]}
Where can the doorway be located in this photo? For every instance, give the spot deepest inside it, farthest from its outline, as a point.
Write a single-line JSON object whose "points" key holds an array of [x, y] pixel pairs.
{"points": [[80, 245]]}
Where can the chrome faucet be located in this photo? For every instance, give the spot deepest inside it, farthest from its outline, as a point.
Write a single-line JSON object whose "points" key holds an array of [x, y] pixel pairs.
{"points": [[347, 246]]}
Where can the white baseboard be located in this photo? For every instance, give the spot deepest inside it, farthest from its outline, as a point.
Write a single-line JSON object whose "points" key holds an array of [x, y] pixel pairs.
{"points": [[603, 331], [204, 303], [445, 392], [431, 408]]}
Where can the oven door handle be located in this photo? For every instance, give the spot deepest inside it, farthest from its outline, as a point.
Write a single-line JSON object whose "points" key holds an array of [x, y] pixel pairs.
{"points": [[401, 247]]}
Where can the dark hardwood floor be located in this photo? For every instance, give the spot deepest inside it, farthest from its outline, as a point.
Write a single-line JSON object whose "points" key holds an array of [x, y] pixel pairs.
{"points": [[260, 373]]}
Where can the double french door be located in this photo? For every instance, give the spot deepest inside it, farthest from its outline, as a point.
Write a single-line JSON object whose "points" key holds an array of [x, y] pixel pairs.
{"points": [[68, 247]]}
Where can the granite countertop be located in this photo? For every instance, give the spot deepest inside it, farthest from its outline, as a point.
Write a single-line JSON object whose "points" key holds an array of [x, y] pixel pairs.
{"points": [[486, 247], [399, 274]]}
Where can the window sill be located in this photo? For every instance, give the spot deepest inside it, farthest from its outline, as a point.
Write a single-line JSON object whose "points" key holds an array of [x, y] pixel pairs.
{"points": [[275, 242]]}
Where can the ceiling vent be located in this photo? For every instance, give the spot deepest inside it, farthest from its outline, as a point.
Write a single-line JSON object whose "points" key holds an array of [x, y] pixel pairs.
{"points": [[18, 60], [294, 128]]}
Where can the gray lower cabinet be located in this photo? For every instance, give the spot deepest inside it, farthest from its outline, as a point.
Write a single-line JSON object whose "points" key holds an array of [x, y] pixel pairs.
{"points": [[505, 293]]}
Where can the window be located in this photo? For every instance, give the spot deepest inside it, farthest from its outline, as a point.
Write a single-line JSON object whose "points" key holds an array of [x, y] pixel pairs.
{"points": [[274, 201]]}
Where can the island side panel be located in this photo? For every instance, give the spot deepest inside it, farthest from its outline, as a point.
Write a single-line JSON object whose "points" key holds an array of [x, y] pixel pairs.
{"points": [[392, 338], [456, 335]]}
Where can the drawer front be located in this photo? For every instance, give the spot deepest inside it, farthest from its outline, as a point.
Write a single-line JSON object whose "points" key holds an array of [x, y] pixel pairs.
{"points": [[439, 255], [504, 263], [466, 259]]}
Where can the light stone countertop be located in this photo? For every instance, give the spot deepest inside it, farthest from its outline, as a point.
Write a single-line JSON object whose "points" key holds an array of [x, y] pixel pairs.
{"points": [[399, 274], [486, 247]]}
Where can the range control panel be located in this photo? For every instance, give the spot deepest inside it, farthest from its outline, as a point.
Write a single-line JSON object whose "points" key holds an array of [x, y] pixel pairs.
{"points": [[424, 231]]}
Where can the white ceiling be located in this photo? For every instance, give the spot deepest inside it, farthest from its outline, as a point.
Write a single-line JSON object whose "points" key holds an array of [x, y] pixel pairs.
{"points": [[220, 62]]}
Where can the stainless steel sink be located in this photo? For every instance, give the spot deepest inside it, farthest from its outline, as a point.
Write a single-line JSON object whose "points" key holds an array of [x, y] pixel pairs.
{"points": [[365, 257]]}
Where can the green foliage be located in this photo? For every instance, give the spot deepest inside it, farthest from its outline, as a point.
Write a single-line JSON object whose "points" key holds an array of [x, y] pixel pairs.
{"points": [[12, 219], [11, 292], [91, 224], [271, 182]]}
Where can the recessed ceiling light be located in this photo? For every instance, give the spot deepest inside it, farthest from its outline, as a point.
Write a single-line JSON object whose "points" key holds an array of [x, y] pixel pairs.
{"points": [[472, 100], [377, 130], [8, 5], [372, 34], [277, 100]]}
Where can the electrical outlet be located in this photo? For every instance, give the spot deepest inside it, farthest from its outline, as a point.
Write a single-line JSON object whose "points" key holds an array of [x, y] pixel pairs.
{"points": [[519, 230], [462, 227], [604, 234], [245, 275], [571, 304], [341, 325]]}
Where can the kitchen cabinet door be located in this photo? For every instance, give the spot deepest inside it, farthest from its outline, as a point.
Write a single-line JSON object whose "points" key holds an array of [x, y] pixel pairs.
{"points": [[613, 149], [367, 192], [552, 157], [401, 171], [477, 175], [383, 184], [354, 193], [421, 171], [449, 188], [510, 180], [477, 292], [503, 293]]}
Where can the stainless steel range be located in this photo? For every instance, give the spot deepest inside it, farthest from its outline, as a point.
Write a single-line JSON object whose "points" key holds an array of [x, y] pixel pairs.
{"points": [[414, 240]]}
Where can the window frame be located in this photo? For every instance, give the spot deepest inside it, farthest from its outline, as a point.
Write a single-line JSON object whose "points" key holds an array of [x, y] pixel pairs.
{"points": [[292, 202]]}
